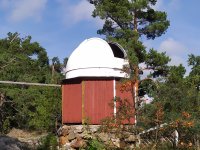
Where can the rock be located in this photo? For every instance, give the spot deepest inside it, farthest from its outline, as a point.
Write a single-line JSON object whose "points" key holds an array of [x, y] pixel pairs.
{"points": [[31, 138], [122, 143], [104, 137], [65, 130], [78, 143], [94, 128], [71, 135], [8, 143], [85, 135], [63, 140], [59, 131], [116, 142], [79, 129], [66, 147], [131, 138]]}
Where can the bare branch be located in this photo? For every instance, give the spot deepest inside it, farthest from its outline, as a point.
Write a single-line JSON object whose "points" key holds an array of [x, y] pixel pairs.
{"points": [[14, 38], [150, 79]]}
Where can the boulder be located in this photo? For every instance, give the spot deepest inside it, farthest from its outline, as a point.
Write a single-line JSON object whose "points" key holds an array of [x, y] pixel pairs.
{"points": [[94, 128], [104, 137], [131, 138], [116, 142], [78, 143], [63, 140], [79, 129], [65, 130], [8, 143], [71, 135]]}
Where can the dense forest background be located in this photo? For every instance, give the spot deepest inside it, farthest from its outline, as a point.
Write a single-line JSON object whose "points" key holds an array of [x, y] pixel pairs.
{"points": [[23, 106]]}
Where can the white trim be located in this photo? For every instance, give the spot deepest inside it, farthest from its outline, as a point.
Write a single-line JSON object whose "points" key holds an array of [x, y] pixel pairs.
{"points": [[135, 96], [95, 72], [114, 94]]}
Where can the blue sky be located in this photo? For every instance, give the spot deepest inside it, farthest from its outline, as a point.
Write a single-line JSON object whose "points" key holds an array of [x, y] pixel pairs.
{"points": [[60, 25]]}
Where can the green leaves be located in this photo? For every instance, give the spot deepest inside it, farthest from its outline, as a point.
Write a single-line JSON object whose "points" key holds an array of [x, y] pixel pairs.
{"points": [[176, 74], [194, 76], [28, 107], [127, 21], [180, 98], [121, 14], [157, 62]]}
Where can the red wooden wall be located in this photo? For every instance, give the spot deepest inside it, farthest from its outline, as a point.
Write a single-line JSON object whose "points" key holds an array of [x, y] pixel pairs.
{"points": [[89, 99], [72, 102], [125, 95], [98, 95]]}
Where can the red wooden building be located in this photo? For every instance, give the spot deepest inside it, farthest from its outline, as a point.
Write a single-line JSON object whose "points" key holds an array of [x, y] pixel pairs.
{"points": [[92, 79]]}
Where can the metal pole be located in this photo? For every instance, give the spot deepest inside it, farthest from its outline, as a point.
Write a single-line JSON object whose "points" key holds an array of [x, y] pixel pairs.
{"points": [[26, 83]]}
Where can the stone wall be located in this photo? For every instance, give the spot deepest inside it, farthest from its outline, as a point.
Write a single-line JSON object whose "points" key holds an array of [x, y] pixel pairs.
{"points": [[77, 136]]}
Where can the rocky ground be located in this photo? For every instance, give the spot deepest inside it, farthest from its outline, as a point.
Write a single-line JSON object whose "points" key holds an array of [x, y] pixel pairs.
{"points": [[9, 143], [69, 138], [18, 139]]}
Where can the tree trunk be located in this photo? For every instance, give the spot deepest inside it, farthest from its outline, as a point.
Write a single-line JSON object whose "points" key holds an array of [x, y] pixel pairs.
{"points": [[136, 74], [135, 91]]}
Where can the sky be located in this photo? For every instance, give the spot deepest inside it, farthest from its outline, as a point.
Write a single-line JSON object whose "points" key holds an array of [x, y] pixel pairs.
{"points": [[61, 25]]}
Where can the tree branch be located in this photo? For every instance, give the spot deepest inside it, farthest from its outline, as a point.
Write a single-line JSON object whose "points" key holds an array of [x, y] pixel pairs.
{"points": [[116, 21], [8, 63]]}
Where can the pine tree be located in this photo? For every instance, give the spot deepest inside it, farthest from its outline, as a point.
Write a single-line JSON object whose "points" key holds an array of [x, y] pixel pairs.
{"points": [[126, 22], [23, 106]]}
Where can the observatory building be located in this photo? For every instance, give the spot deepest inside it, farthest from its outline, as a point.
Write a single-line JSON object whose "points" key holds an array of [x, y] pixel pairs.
{"points": [[92, 82]]}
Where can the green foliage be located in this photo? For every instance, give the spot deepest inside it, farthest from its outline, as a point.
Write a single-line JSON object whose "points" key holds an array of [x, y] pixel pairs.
{"points": [[29, 107], [65, 61], [120, 14], [180, 98], [176, 74], [126, 21], [194, 77], [48, 143], [158, 62], [94, 144], [6, 125], [17, 59]]}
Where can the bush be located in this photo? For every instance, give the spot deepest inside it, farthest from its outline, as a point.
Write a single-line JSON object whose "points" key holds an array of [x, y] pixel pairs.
{"points": [[48, 143], [94, 144]]}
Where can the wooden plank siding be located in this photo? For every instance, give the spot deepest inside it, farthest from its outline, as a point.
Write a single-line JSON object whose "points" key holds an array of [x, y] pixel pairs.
{"points": [[86, 100], [71, 103], [98, 95], [125, 95]]}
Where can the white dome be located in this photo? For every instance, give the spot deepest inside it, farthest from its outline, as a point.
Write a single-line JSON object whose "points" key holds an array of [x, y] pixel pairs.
{"points": [[95, 58]]}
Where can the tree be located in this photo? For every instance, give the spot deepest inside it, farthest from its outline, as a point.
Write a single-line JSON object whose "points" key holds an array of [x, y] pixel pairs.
{"points": [[126, 21], [194, 62], [23, 106], [179, 97], [65, 61]]}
